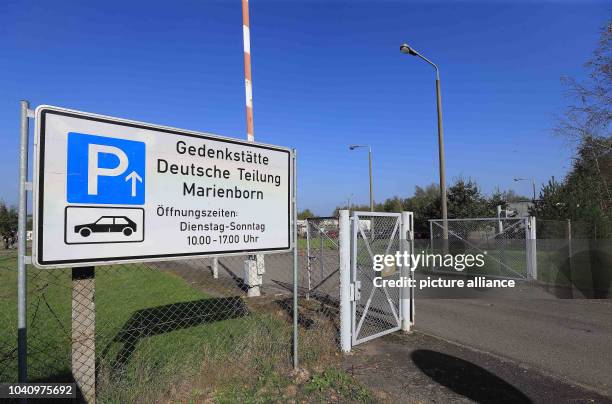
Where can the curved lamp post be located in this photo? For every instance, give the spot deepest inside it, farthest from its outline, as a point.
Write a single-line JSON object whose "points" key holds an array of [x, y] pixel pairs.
{"points": [[406, 49]]}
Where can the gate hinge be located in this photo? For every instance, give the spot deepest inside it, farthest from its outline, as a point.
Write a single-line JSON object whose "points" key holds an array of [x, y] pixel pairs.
{"points": [[355, 293]]}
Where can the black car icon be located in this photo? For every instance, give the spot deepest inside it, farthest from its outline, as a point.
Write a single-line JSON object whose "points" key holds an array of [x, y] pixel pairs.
{"points": [[107, 224]]}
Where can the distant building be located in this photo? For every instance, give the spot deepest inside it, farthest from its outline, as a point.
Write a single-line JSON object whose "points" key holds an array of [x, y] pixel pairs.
{"points": [[301, 228], [519, 209]]}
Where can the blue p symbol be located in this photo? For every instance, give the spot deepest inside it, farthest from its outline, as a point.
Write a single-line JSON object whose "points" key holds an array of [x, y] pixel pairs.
{"points": [[105, 170]]}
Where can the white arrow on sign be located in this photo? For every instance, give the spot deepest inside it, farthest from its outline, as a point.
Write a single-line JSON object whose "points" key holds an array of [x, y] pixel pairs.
{"points": [[134, 177]]}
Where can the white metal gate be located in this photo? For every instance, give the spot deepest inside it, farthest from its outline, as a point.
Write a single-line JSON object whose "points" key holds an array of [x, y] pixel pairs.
{"points": [[379, 310], [507, 243]]}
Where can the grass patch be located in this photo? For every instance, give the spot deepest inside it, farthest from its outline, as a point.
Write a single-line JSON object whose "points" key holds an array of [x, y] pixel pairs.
{"points": [[333, 385], [160, 339], [315, 244]]}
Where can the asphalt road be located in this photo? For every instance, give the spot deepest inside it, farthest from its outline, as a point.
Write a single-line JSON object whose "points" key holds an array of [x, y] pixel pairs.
{"points": [[570, 339], [418, 368]]}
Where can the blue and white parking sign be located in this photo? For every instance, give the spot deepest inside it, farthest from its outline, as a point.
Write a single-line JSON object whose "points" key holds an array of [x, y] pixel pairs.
{"points": [[105, 170], [202, 195]]}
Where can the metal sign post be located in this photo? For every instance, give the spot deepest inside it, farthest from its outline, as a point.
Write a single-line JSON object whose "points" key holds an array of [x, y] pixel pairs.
{"points": [[24, 185], [295, 265]]}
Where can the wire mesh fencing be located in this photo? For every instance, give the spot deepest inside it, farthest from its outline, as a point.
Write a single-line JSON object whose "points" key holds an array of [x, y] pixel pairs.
{"points": [[377, 309], [320, 281], [572, 261], [501, 241], [8, 315], [158, 325]]}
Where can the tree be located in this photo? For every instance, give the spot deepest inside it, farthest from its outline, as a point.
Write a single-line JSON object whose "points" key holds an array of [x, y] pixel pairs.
{"points": [[465, 200], [551, 203], [425, 205], [305, 214], [395, 204], [587, 122], [582, 195], [8, 224], [585, 193], [589, 115]]}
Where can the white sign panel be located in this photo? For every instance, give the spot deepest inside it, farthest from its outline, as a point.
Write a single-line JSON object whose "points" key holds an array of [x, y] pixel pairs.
{"points": [[111, 190]]}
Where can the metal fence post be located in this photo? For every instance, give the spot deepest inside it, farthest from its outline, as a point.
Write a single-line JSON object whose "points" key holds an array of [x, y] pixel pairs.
{"points": [[215, 267], [321, 253], [405, 274], [295, 265], [431, 237], [22, 346], [569, 259], [532, 256], [308, 266], [344, 239]]}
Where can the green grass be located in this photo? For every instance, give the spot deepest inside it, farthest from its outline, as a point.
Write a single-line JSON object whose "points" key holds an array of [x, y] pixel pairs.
{"points": [[330, 385], [336, 385], [231, 358], [315, 244], [8, 316], [123, 293]]}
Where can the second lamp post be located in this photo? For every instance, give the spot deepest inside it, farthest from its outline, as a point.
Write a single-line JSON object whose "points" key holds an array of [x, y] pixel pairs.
{"points": [[355, 146]]}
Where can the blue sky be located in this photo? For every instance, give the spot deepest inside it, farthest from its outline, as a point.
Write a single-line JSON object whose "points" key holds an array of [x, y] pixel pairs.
{"points": [[326, 74]]}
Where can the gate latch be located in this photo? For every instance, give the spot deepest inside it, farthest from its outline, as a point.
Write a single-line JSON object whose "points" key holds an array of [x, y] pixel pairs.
{"points": [[355, 291]]}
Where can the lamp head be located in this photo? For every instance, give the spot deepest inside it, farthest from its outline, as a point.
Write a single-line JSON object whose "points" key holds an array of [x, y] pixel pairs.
{"points": [[353, 147], [406, 49]]}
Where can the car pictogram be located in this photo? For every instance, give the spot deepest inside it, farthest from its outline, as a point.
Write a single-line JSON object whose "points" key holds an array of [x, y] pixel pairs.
{"points": [[107, 224]]}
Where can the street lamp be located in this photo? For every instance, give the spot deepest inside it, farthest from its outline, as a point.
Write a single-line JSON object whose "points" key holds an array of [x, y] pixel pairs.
{"points": [[532, 184], [406, 49], [348, 201], [355, 146]]}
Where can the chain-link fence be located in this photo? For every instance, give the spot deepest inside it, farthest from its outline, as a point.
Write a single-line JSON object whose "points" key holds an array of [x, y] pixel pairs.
{"points": [[8, 315], [572, 261], [320, 280], [160, 325], [501, 241]]}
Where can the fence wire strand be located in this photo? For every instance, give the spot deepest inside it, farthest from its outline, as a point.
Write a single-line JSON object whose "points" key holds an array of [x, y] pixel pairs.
{"points": [[167, 320]]}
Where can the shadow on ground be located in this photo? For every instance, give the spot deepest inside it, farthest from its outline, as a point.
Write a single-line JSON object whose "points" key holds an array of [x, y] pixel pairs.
{"points": [[466, 378], [171, 317]]}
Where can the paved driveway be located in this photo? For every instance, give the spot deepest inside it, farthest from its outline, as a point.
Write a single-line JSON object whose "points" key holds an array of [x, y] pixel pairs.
{"points": [[567, 338]]}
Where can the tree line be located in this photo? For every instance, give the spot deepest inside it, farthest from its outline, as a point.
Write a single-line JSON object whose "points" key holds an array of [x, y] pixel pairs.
{"points": [[464, 199]]}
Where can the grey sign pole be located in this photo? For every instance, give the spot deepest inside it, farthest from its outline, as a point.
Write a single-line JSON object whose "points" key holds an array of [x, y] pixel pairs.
{"points": [[21, 245], [295, 266]]}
